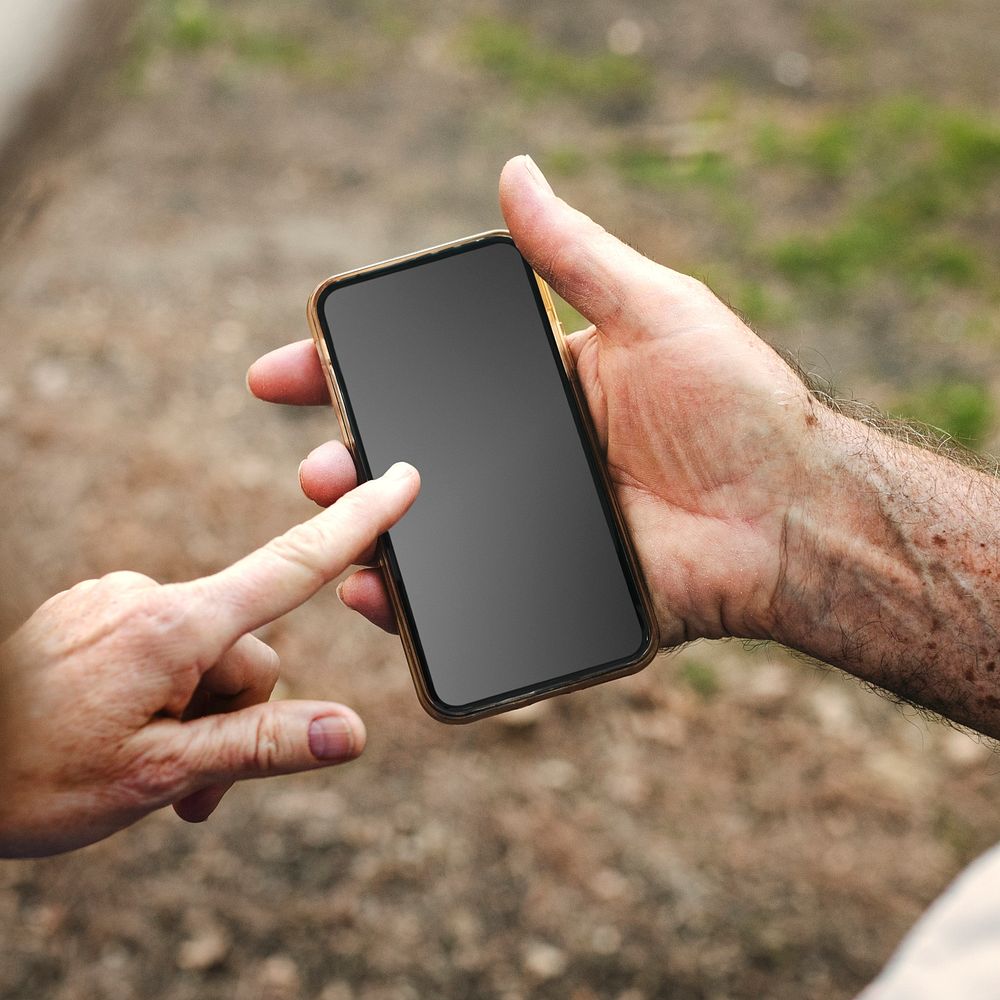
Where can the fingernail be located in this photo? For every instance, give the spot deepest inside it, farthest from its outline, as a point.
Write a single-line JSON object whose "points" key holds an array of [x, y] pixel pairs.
{"points": [[331, 738], [537, 174], [340, 591], [401, 470], [303, 462]]}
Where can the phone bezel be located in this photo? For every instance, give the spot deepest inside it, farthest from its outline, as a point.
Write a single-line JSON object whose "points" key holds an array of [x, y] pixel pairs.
{"points": [[340, 399]]}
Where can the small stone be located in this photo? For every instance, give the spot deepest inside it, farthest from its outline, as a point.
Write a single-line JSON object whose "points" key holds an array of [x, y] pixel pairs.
{"points": [[666, 728], [964, 750], [50, 378], [556, 773], [525, 718], [205, 951], [768, 687], [834, 711], [339, 989], [279, 977], [625, 37], [605, 940], [609, 885], [544, 961], [792, 69], [626, 788], [895, 771]]}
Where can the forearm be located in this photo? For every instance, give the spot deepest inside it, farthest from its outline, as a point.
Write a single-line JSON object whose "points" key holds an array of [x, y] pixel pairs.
{"points": [[890, 570]]}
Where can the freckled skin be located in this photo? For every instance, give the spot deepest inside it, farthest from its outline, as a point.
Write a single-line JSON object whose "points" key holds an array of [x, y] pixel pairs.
{"points": [[893, 544]]}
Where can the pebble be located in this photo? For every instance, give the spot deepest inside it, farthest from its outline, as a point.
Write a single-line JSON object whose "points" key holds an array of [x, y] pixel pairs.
{"points": [[544, 961], [625, 37], [605, 940], [279, 976], [50, 378], [339, 989], [768, 686], [834, 711], [525, 718], [209, 949], [964, 750], [792, 69]]}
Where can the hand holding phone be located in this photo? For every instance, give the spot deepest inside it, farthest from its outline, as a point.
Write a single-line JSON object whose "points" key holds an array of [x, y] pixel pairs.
{"points": [[704, 429], [513, 577]]}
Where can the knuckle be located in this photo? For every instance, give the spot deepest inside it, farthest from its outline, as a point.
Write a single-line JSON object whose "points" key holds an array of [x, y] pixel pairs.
{"points": [[154, 779], [122, 580], [161, 619], [257, 668], [108, 598], [264, 751], [270, 671]]}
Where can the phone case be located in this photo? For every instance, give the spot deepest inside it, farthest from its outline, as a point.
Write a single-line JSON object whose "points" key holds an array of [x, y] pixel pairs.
{"points": [[350, 438]]}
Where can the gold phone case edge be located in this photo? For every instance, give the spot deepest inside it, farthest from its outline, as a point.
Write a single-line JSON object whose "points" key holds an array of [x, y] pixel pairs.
{"points": [[648, 652]]}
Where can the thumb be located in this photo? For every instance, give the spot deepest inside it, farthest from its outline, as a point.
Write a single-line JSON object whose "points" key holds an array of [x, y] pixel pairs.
{"points": [[607, 281], [277, 737]]}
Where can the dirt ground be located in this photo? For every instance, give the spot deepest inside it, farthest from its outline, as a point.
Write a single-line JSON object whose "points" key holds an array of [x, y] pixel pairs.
{"points": [[730, 823]]}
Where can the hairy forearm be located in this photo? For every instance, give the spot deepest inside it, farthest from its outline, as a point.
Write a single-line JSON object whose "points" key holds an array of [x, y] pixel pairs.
{"points": [[890, 570]]}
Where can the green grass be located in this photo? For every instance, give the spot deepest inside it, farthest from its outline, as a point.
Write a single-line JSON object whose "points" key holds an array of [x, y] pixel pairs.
{"points": [[889, 198], [956, 833], [614, 86], [570, 319], [565, 162], [193, 24], [830, 150], [196, 26], [271, 49], [851, 254], [700, 677], [907, 178], [963, 410], [645, 166], [910, 175], [833, 30], [756, 304]]}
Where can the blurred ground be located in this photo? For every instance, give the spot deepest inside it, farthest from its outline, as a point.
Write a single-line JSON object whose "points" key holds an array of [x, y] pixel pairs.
{"points": [[729, 823]]}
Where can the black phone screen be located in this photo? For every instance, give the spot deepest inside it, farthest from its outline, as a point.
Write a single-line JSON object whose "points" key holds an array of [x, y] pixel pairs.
{"points": [[509, 564]]}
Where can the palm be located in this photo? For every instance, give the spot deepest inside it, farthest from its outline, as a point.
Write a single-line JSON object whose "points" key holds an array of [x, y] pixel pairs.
{"points": [[698, 419], [691, 418]]}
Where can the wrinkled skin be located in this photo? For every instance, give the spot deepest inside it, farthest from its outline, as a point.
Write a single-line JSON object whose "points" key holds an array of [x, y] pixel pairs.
{"points": [[706, 431], [122, 696]]}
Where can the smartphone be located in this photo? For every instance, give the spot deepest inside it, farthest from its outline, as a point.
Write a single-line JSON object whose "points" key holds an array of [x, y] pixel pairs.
{"points": [[512, 577]]}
